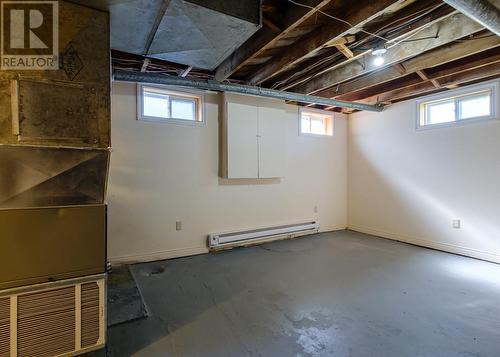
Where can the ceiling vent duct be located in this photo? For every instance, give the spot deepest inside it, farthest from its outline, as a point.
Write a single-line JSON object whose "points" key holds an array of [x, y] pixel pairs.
{"points": [[198, 33], [484, 12]]}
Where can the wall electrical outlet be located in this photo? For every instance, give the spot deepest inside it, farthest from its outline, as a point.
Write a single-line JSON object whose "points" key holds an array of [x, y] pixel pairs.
{"points": [[315, 209], [178, 226], [457, 224]]}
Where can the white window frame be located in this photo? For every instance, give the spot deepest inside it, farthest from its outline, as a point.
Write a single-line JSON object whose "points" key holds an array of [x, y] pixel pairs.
{"points": [[320, 111], [173, 92], [422, 105]]}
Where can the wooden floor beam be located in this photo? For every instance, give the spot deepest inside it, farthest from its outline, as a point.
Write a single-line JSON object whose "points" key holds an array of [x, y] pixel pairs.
{"points": [[425, 12], [450, 81], [434, 74], [429, 59], [454, 55], [266, 37], [331, 31], [424, 77], [451, 28]]}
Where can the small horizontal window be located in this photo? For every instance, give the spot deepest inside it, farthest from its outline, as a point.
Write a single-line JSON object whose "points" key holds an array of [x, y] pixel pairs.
{"points": [[314, 122], [160, 104], [466, 106]]}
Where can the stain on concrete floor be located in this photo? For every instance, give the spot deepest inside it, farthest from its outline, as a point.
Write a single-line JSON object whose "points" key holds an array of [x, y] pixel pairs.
{"points": [[331, 294], [125, 302]]}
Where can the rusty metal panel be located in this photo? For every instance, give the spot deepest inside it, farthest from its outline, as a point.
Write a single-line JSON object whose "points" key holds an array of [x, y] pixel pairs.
{"points": [[56, 111], [45, 176], [66, 107], [46, 244]]}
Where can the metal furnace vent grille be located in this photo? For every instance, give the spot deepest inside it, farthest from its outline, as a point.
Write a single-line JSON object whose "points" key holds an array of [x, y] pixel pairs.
{"points": [[46, 323], [5, 327], [90, 314]]}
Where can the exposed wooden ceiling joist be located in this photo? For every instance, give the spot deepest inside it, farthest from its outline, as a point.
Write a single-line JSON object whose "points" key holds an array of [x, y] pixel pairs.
{"points": [[426, 78], [451, 28], [132, 62], [266, 37], [269, 23], [450, 81], [447, 53], [361, 14], [481, 59], [400, 68], [345, 51], [411, 18], [436, 75]]}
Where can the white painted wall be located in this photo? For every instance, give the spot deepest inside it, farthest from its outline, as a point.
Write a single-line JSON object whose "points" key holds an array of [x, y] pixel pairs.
{"points": [[409, 185], [403, 184], [163, 173]]}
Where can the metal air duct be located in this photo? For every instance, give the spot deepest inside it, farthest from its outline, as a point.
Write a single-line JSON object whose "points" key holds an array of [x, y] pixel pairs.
{"points": [[198, 33], [54, 155], [141, 77], [485, 12]]}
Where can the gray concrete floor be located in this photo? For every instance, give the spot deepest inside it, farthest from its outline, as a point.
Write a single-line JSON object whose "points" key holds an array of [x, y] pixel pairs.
{"points": [[332, 294]]}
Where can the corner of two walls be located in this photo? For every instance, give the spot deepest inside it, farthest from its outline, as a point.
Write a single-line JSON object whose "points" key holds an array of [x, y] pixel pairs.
{"points": [[409, 185]]}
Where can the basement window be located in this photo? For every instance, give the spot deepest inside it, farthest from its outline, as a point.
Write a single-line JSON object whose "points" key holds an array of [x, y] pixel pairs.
{"points": [[170, 106], [315, 122], [464, 106]]}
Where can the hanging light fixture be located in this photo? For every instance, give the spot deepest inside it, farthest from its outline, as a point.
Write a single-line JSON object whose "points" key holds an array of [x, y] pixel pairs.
{"points": [[378, 61], [379, 52]]}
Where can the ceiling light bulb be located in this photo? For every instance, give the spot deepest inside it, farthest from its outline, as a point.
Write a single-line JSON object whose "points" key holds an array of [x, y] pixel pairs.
{"points": [[379, 51], [378, 61]]}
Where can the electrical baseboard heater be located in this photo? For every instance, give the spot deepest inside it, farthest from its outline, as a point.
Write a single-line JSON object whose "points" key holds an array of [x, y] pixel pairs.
{"points": [[221, 240]]}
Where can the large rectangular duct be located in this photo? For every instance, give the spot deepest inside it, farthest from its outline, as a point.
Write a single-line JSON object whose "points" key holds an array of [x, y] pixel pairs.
{"points": [[54, 157], [199, 33]]}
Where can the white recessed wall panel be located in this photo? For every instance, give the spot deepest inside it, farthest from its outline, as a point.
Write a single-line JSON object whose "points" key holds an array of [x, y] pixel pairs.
{"points": [[242, 141], [272, 126]]}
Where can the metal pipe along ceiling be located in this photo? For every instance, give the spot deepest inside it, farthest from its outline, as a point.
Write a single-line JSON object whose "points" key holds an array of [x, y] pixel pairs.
{"points": [[128, 76], [482, 11]]}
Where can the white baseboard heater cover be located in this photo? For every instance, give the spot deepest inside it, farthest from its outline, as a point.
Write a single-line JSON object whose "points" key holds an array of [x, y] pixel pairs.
{"points": [[218, 240]]}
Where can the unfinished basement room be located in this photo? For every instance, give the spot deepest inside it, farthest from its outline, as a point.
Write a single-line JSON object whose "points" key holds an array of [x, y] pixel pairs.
{"points": [[265, 178]]}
